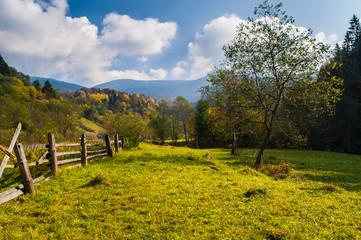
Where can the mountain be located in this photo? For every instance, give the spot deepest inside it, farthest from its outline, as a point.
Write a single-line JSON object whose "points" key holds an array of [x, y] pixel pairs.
{"points": [[167, 89], [60, 85]]}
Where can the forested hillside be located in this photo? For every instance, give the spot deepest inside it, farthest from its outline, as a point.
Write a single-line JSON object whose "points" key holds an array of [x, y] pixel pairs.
{"points": [[41, 109]]}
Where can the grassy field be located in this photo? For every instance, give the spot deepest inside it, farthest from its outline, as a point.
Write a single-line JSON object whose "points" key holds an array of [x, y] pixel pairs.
{"points": [[164, 192]]}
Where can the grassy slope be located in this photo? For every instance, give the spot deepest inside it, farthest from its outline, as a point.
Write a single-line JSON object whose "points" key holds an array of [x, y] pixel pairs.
{"points": [[90, 128], [174, 193]]}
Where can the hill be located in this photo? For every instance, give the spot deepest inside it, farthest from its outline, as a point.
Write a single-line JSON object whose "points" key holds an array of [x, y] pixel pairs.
{"points": [[60, 85], [168, 89], [164, 192]]}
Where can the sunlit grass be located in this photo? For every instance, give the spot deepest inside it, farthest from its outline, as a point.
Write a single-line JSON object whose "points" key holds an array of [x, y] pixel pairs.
{"points": [[165, 192]]}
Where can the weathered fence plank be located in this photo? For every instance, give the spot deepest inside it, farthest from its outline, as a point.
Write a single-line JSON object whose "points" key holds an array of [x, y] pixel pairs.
{"points": [[17, 191], [58, 154], [96, 145], [98, 155], [60, 162], [10, 149], [24, 169], [42, 158], [67, 144], [96, 151]]}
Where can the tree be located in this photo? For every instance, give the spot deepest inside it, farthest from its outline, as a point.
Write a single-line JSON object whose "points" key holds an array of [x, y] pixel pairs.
{"points": [[274, 56], [203, 124], [4, 67], [183, 110], [345, 124], [37, 85], [49, 91], [229, 95], [161, 122]]}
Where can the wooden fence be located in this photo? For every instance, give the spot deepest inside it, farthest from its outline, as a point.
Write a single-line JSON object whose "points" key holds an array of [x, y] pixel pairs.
{"points": [[56, 154]]}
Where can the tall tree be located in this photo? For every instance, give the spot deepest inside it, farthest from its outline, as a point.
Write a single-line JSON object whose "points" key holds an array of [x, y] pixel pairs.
{"points": [[228, 96], [161, 123], [274, 56], [346, 121], [183, 111], [37, 85], [4, 67], [203, 124]]}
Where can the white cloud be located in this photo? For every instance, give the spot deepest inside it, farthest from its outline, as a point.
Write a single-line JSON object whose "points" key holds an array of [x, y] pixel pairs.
{"points": [[136, 37], [39, 39], [179, 70], [330, 39], [159, 74], [142, 59], [206, 51], [128, 74]]}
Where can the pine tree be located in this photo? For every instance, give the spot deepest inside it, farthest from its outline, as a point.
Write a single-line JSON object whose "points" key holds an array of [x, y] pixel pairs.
{"points": [[4, 67]]}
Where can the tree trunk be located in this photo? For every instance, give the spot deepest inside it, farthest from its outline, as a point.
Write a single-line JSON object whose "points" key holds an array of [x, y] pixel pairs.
{"points": [[185, 132], [263, 147], [234, 142]]}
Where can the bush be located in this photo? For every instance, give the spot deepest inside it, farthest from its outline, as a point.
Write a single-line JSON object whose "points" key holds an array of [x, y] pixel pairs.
{"points": [[282, 170]]}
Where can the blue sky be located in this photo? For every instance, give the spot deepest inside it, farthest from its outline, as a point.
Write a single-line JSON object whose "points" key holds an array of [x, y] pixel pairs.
{"points": [[93, 41]]}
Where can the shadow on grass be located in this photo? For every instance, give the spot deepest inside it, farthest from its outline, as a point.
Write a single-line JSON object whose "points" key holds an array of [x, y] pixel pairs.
{"points": [[341, 170], [184, 160], [11, 176]]}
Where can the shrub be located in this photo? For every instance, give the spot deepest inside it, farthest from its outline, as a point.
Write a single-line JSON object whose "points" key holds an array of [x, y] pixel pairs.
{"points": [[282, 169]]}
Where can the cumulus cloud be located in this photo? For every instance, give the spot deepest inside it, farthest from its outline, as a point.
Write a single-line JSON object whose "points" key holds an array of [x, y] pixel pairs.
{"points": [[143, 59], [206, 51], [179, 70], [159, 74], [37, 37], [136, 37], [331, 39]]}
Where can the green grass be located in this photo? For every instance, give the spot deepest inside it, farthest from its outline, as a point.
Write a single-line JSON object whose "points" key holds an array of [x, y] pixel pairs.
{"points": [[90, 127], [164, 192]]}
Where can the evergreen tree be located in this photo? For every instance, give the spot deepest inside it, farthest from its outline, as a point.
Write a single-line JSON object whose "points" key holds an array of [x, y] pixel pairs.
{"points": [[37, 85], [4, 67], [49, 91]]}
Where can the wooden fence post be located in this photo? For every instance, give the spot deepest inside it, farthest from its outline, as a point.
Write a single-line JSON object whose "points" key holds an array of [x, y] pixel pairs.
{"points": [[109, 146], [84, 161], [116, 142], [123, 142], [24, 169], [52, 152]]}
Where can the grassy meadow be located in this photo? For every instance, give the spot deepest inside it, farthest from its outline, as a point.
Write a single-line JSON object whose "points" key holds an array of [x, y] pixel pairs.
{"points": [[165, 192]]}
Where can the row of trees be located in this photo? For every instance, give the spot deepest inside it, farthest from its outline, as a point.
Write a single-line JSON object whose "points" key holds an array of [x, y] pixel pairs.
{"points": [[172, 120]]}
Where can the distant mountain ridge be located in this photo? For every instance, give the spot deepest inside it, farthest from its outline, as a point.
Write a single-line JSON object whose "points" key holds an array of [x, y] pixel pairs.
{"points": [[60, 85], [167, 89]]}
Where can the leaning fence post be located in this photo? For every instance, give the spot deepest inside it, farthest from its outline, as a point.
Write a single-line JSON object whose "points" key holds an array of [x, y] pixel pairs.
{"points": [[116, 142], [109, 146], [52, 152], [84, 161], [24, 169]]}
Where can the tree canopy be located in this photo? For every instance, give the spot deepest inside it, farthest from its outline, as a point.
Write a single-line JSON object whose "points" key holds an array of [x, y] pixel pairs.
{"points": [[278, 60]]}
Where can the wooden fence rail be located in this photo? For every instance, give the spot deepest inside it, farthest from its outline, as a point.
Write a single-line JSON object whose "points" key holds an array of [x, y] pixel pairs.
{"points": [[97, 148]]}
